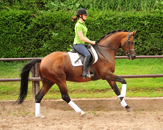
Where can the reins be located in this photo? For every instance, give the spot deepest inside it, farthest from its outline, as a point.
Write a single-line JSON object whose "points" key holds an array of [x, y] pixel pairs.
{"points": [[112, 48], [128, 50]]}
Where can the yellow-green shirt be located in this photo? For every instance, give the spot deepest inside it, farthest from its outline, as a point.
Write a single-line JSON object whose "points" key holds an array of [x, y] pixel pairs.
{"points": [[79, 26]]}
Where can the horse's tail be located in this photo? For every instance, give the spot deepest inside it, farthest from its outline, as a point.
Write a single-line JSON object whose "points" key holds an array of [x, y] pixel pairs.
{"points": [[24, 80]]}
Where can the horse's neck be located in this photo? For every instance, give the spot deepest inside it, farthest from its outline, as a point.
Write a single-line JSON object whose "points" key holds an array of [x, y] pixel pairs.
{"points": [[114, 40], [111, 43]]}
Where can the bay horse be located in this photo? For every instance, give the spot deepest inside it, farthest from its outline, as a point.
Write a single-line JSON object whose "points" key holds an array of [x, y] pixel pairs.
{"points": [[56, 68]]}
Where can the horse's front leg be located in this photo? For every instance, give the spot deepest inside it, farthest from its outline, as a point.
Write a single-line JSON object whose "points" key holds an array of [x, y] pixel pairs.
{"points": [[112, 79]]}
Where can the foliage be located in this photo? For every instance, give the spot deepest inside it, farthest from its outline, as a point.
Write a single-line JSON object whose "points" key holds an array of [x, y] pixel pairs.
{"points": [[24, 34], [114, 5], [35, 28]]}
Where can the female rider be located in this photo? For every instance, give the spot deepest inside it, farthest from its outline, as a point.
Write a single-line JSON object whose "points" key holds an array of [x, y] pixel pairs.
{"points": [[80, 38]]}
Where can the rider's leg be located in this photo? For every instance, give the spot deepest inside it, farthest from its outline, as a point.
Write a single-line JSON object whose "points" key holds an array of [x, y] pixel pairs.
{"points": [[83, 50], [85, 65]]}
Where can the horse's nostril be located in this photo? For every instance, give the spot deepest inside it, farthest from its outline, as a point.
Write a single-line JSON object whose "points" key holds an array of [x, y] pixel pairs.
{"points": [[134, 57]]}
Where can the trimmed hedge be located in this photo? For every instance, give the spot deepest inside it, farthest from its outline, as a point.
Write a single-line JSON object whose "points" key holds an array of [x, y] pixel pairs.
{"points": [[24, 34]]}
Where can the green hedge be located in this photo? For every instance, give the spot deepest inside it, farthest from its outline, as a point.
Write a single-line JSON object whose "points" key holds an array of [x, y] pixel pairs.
{"points": [[24, 34]]}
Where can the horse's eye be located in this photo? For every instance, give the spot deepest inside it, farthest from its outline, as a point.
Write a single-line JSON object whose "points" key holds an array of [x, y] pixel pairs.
{"points": [[132, 42]]}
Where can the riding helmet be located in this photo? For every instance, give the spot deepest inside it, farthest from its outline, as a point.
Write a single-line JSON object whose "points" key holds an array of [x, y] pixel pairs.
{"points": [[81, 11]]}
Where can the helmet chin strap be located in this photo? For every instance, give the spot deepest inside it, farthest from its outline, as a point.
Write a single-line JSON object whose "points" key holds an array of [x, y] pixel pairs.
{"points": [[82, 17]]}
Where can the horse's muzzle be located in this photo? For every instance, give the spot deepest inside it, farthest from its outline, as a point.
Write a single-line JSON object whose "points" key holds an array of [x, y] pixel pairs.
{"points": [[131, 56]]}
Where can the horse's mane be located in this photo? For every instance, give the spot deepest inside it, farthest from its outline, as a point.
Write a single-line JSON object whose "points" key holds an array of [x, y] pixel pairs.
{"points": [[109, 34]]}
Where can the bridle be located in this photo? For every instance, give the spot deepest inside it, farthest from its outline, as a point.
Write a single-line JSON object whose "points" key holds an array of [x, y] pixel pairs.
{"points": [[129, 51]]}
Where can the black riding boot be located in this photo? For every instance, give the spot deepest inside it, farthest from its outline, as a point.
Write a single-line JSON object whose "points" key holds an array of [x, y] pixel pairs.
{"points": [[85, 64]]}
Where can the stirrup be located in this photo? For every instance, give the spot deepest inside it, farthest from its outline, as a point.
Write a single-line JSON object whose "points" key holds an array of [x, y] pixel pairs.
{"points": [[87, 75]]}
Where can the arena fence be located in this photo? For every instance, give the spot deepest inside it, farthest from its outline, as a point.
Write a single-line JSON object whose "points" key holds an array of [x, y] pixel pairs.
{"points": [[35, 76]]}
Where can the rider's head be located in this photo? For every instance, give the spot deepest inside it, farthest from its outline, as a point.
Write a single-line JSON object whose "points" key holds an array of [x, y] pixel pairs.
{"points": [[80, 13]]}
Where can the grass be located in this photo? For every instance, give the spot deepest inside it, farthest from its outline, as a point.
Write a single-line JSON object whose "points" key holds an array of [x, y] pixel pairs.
{"points": [[136, 87]]}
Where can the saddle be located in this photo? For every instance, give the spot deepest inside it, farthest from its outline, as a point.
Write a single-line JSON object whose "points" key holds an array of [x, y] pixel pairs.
{"points": [[93, 59], [77, 59]]}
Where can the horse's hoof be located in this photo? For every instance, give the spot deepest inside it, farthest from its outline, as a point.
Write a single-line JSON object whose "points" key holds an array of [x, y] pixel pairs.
{"points": [[118, 100], [83, 114], [129, 110], [40, 116]]}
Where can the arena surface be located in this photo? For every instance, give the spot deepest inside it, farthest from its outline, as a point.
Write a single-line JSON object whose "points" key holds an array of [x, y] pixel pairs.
{"points": [[102, 114]]}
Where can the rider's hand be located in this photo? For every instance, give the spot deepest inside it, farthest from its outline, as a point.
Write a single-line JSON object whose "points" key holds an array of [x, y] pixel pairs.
{"points": [[93, 42]]}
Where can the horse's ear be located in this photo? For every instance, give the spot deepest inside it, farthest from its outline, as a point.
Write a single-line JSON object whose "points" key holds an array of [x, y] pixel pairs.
{"points": [[133, 33]]}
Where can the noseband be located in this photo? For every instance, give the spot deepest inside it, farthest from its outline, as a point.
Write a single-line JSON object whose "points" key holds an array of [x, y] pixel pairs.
{"points": [[129, 51]]}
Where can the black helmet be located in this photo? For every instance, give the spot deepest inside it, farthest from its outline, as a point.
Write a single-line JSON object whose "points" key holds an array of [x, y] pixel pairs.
{"points": [[81, 11]]}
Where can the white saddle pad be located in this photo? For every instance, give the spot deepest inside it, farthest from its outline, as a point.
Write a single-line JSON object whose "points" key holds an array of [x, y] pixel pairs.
{"points": [[75, 56]]}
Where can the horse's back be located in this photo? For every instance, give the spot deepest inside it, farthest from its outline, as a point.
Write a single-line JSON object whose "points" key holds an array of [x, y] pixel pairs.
{"points": [[54, 57], [54, 61]]}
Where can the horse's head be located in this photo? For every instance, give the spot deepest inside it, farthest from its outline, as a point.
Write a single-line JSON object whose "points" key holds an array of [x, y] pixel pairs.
{"points": [[127, 45]]}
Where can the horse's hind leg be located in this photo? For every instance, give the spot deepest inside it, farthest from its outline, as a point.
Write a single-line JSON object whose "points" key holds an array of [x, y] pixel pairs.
{"points": [[47, 84], [65, 96]]}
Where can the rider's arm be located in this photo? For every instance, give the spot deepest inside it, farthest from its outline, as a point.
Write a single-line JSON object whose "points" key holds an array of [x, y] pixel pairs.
{"points": [[85, 39]]}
